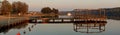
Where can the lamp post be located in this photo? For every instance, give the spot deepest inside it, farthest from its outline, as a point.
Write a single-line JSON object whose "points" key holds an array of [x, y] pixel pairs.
{"points": [[69, 14]]}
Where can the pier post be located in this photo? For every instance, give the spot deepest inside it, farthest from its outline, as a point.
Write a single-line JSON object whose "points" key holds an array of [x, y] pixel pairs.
{"points": [[35, 20], [53, 20], [62, 20], [100, 27], [72, 20]]}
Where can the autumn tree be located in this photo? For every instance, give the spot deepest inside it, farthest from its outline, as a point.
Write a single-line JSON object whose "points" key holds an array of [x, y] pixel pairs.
{"points": [[6, 7], [19, 7]]}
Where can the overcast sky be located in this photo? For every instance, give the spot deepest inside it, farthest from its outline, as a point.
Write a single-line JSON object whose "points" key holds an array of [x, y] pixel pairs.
{"points": [[68, 5]]}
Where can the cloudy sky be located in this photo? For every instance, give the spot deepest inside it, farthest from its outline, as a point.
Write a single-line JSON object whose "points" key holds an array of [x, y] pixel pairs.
{"points": [[68, 5]]}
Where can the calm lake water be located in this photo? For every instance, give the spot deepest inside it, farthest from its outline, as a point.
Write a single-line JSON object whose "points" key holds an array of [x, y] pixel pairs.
{"points": [[111, 28]]}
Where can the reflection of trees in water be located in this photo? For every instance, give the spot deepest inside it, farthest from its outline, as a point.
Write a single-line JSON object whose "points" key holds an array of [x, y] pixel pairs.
{"points": [[20, 26], [89, 27]]}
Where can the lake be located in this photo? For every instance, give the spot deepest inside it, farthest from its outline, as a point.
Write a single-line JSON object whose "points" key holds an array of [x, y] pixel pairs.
{"points": [[111, 28]]}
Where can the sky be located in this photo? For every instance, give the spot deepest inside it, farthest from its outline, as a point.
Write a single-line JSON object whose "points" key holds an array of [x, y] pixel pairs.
{"points": [[69, 5]]}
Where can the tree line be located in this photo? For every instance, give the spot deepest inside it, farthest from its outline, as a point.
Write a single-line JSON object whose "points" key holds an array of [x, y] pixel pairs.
{"points": [[110, 13], [48, 10], [14, 8], [22, 8]]}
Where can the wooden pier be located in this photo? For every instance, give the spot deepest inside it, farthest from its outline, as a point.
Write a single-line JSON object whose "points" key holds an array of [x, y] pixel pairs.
{"points": [[11, 22], [77, 17], [66, 20], [6, 29]]}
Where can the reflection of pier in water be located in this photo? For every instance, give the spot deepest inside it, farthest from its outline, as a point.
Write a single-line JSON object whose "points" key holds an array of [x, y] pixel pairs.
{"points": [[5, 29], [89, 27]]}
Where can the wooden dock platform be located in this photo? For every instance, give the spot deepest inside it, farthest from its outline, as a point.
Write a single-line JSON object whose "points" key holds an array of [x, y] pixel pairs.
{"points": [[11, 22], [66, 20]]}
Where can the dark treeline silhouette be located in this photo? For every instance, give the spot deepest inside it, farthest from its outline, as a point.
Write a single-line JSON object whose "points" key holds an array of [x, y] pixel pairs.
{"points": [[111, 13], [50, 13], [48, 10]]}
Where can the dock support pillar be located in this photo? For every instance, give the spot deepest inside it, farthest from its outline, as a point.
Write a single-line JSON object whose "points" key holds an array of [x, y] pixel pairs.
{"points": [[53, 20], [35, 20], [62, 20]]}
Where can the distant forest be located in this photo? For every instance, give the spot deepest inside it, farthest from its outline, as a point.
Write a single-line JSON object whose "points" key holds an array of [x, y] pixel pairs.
{"points": [[111, 13]]}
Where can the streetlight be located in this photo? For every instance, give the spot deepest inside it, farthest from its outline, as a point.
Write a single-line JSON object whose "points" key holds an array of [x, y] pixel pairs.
{"points": [[69, 14], [19, 14]]}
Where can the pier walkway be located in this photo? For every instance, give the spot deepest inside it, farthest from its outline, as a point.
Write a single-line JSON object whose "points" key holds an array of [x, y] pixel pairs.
{"points": [[65, 20], [11, 21]]}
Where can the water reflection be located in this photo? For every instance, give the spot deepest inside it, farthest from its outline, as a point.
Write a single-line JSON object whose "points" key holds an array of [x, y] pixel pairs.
{"points": [[20, 26], [89, 27], [29, 29]]}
